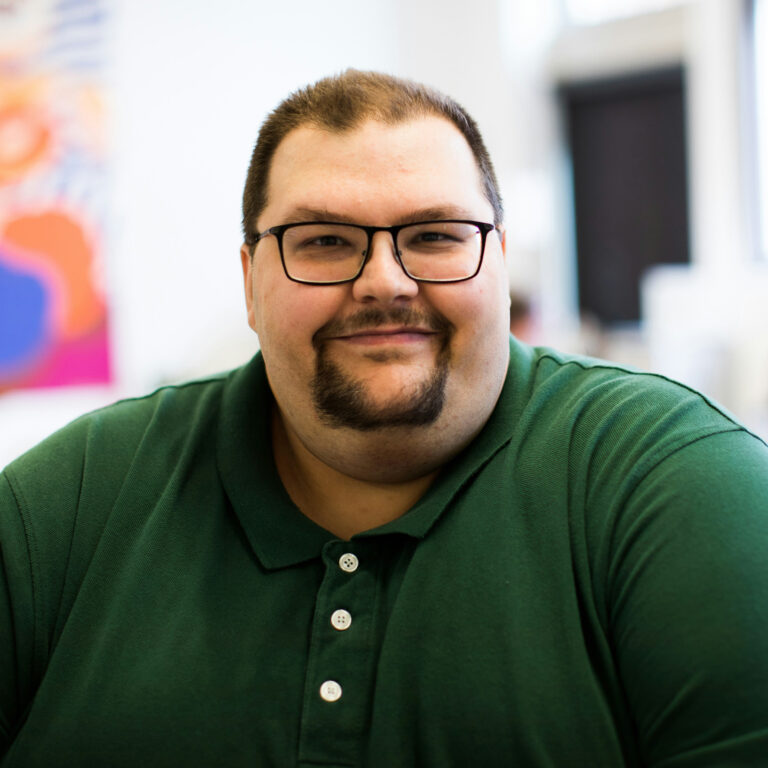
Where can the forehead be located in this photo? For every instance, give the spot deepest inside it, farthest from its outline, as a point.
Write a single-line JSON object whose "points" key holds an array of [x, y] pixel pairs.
{"points": [[375, 173]]}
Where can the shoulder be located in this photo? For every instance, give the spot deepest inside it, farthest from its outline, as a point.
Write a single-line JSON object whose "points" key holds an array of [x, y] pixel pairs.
{"points": [[85, 464], [109, 436], [596, 393], [600, 429], [57, 499]]}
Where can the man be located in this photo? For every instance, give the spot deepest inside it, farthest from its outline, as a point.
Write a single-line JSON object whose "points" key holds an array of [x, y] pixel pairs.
{"points": [[397, 537]]}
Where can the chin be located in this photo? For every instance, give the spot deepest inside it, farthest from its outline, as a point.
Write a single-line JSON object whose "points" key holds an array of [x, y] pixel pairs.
{"points": [[343, 401]]}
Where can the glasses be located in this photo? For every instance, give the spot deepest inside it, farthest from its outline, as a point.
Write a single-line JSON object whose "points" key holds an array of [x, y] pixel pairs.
{"points": [[326, 253]]}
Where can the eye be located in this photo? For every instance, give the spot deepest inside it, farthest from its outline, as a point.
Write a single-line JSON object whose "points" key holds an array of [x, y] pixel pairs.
{"points": [[326, 241], [321, 238], [436, 237], [322, 244], [433, 237]]}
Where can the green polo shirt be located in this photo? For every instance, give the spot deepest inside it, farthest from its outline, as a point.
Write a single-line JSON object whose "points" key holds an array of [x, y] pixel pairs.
{"points": [[586, 585]]}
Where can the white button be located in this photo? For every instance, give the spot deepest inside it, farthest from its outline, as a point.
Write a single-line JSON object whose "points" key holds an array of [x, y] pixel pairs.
{"points": [[330, 690], [348, 562], [341, 619]]}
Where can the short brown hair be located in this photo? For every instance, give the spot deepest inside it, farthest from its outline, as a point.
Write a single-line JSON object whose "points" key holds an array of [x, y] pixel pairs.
{"points": [[341, 103]]}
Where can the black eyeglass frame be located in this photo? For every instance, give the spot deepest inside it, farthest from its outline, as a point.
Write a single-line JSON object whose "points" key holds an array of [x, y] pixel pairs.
{"points": [[278, 231]]}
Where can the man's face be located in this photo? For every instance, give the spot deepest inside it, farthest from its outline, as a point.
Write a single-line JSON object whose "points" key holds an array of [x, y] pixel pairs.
{"points": [[383, 351]]}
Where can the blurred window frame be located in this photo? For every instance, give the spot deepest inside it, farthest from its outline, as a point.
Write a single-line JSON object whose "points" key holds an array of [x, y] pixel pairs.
{"points": [[757, 144], [588, 12]]}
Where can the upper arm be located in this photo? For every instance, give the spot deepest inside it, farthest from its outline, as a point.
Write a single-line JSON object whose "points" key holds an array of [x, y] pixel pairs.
{"points": [[39, 494], [689, 604], [17, 615]]}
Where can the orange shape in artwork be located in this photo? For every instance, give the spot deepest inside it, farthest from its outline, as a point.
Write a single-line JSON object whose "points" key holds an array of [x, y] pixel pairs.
{"points": [[60, 245], [24, 141]]}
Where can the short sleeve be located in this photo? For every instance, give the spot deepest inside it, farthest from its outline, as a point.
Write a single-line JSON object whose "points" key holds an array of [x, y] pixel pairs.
{"points": [[689, 604]]}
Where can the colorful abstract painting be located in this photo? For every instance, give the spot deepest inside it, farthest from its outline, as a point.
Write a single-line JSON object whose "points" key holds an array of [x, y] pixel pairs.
{"points": [[53, 190]]}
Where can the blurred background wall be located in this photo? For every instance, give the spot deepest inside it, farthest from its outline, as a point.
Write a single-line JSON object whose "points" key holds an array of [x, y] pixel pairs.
{"points": [[626, 135]]}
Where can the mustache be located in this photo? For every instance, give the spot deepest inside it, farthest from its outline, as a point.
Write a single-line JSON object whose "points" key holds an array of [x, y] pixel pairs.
{"points": [[372, 317]]}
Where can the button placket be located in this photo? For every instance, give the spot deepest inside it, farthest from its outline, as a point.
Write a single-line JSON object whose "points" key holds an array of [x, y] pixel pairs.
{"points": [[339, 670]]}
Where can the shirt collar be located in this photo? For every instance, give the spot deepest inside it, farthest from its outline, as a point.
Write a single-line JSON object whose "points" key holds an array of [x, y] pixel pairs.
{"points": [[278, 532]]}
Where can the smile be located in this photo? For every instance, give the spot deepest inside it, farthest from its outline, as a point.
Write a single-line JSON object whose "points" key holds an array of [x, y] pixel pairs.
{"points": [[384, 336]]}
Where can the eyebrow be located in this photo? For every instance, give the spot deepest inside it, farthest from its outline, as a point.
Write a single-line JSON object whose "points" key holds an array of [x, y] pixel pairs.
{"points": [[423, 214]]}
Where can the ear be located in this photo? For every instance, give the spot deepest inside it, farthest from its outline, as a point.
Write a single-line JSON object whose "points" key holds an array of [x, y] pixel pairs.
{"points": [[247, 264], [503, 239]]}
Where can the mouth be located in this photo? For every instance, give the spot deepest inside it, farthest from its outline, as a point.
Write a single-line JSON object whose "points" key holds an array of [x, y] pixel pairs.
{"points": [[383, 336], [400, 330]]}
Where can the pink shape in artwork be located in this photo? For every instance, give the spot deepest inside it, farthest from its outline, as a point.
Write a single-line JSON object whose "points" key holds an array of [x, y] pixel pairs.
{"points": [[83, 360]]}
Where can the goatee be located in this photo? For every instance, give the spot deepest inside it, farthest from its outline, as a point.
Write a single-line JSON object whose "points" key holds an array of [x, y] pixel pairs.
{"points": [[343, 401]]}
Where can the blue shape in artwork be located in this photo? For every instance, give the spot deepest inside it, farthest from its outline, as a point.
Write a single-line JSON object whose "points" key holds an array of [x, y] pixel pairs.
{"points": [[22, 316]]}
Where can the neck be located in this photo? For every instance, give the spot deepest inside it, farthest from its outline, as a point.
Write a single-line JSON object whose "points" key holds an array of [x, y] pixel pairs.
{"points": [[339, 503]]}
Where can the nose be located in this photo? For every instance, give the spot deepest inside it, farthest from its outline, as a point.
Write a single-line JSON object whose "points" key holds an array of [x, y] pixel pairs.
{"points": [[382, 278]]}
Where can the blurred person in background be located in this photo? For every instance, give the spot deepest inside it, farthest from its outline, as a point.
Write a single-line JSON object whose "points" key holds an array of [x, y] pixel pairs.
{"points": [[398, 536], [520, 317]]}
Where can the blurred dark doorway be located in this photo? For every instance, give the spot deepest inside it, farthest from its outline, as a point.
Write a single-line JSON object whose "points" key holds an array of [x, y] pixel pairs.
{"points": [[628, 150]]}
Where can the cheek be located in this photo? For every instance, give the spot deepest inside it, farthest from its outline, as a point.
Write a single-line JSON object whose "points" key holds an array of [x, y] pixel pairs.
{"points": [[477, 311], [481, 317], [494, 301], [288, 314]]}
